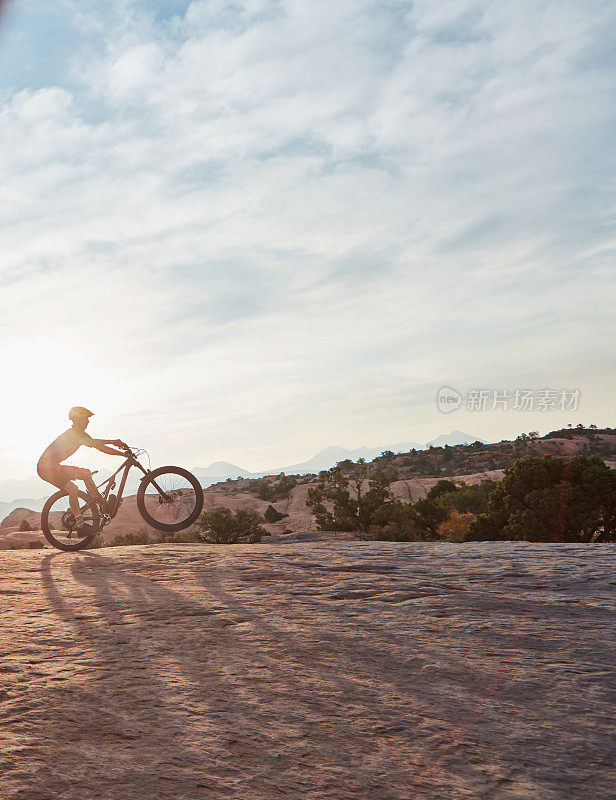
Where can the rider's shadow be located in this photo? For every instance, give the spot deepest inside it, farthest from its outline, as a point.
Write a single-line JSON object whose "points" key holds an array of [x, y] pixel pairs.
{"points": [[140, 684]]}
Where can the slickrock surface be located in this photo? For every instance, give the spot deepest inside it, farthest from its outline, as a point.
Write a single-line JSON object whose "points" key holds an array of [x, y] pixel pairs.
{"points": [[378, 671]]}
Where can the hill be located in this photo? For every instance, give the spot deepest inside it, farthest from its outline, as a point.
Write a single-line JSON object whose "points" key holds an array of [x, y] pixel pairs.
{"points": [[479, 456]]}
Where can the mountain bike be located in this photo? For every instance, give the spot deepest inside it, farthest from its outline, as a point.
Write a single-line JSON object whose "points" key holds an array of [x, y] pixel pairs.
{"points": [[169, 499]]}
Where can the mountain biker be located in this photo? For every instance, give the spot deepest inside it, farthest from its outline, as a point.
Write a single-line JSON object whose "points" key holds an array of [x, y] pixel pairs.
{"points": [[51, 469]]}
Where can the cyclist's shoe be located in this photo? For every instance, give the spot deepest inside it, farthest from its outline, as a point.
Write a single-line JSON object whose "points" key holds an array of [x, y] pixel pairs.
{"points": [[82, 528]]}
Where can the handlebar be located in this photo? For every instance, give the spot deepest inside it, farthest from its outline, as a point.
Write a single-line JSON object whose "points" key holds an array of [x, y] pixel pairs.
{"points": [[131, 451]]}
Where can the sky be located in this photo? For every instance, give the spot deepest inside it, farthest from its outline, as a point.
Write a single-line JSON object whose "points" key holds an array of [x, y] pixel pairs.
{"points": [[249, 230]]}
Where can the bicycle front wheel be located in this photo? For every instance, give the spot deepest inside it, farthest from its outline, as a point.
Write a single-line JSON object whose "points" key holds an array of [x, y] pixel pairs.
{"points": [[170, 499], [59, 526]]}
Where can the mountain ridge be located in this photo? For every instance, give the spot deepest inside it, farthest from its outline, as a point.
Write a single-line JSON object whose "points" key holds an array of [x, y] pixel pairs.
{"points": [[331, 455]]}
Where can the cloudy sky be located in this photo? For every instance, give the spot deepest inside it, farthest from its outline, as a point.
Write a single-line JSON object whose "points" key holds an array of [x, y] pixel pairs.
{"points": [[248, 230]]}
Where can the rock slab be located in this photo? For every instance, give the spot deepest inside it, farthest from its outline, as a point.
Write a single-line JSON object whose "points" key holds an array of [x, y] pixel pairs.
{"points": [[378, 671]]}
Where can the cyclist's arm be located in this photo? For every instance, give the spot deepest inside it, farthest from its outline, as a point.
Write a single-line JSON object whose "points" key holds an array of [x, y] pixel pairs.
{"points": [[114, 442], [101, 444]]}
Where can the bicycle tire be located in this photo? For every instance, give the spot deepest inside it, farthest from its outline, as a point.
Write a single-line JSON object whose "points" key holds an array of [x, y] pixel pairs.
{"points": [[155, 523], [47, 530]]}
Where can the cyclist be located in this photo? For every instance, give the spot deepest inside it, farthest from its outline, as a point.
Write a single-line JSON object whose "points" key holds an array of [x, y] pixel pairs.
{"points": [[51, 469]]}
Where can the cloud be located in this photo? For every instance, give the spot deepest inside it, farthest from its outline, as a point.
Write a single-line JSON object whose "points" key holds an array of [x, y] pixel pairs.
{"points": [[275, 209]]}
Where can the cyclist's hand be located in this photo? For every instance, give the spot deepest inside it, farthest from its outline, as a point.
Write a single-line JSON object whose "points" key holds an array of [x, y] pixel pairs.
{"points": [[119, 443]]}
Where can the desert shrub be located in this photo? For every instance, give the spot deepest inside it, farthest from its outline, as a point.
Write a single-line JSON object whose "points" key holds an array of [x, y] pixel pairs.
{"points": [[222, 526], [428, 515], [319, 509], [469, 499], [24, 525], [456, 527], [441, 488], [187, 536], [37, 545], [274, 489], [395, 522], [272, 515], [141, 537]]}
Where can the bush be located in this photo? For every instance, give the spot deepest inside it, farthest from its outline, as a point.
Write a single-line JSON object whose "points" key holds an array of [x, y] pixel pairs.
{"points": [[469, 499], [441, 488], [25, 525], [188, 536], [395, 522], [277, 489], [456, 527], [272, 515], [428, 515], [141, 537], [27, 546], [222, 526]]}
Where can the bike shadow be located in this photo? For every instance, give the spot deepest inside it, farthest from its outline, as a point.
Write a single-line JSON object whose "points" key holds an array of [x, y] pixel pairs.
{"points": [[253, 680], [147, 681]]}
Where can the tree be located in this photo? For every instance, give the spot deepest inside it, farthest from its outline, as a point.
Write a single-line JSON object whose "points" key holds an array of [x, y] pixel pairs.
{"points": [[551, 500], [24, 525], [354, 505], [221, 526], [332, 485]]}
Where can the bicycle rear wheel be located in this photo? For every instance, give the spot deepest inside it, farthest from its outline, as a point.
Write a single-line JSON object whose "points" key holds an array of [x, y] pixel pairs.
{"points": [[170, 499], [59, 526]]}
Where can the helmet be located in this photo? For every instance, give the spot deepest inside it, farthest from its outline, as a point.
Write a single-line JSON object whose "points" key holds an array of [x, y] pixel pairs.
{"points": [[79, 412]]}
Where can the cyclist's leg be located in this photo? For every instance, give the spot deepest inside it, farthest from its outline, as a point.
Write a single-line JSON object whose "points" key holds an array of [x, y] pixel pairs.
{"points": [[73, 498], [61, 476], [92, 488]]}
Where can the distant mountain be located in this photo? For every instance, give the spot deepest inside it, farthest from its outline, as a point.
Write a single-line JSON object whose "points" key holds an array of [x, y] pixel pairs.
{"points": [[29, 487], [330, 456], [23, 502], [453, 438], [221, 468]]}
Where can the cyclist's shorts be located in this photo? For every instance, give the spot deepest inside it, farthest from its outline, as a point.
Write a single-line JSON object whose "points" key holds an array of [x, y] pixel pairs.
{"points": [[61, 474]]}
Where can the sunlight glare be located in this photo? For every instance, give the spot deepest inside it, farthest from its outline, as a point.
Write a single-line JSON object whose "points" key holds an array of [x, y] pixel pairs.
{"points": [[43, 379]]}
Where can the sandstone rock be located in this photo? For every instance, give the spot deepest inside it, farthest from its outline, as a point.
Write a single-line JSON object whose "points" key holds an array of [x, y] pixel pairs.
{"points": [[324, 670]]}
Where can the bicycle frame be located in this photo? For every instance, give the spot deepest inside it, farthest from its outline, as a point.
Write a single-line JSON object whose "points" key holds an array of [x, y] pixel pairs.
{"points": [[110, 483]]}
